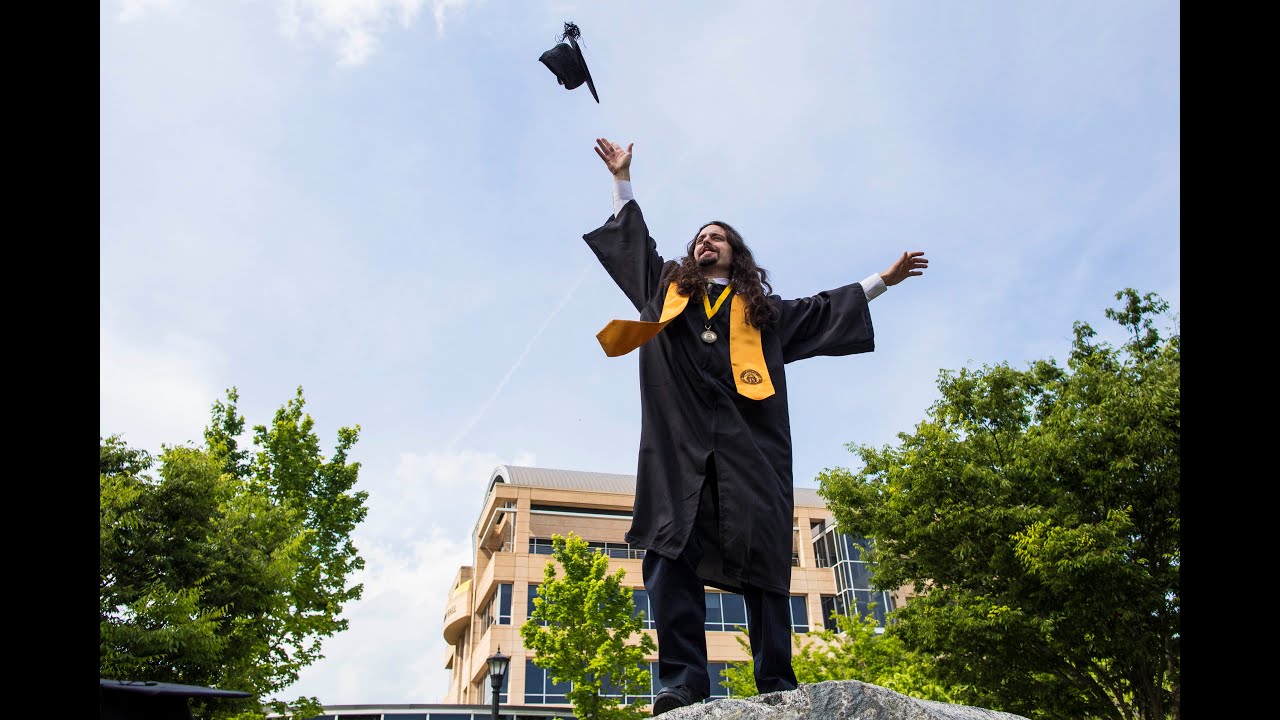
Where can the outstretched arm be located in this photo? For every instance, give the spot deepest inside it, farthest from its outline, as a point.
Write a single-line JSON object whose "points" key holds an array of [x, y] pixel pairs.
{"points": [[836, 322], [619, 163], [911, 264], [622, 244], [615, 158]]}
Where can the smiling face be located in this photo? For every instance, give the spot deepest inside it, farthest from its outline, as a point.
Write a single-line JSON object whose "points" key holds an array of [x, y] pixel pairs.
{"points": [[712, 252]]}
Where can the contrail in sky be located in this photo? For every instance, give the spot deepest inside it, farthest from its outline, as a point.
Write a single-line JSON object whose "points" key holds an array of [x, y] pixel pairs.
{"points": [[484, 407]]}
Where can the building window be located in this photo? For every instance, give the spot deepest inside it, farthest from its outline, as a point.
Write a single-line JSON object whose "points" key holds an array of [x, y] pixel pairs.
{"points": [[619, 550], [608, 689], [499, 611], [878, 603], [799, 614], [831, 604], [726, 612], [856, 594], [486, 687], [539, 508], [641, 599], [865, 602], [528, 613], [538, 688], [824, 549], [714, 671]]}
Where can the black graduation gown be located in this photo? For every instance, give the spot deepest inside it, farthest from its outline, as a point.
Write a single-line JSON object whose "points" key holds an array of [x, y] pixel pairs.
{"points": [[692, 415]]}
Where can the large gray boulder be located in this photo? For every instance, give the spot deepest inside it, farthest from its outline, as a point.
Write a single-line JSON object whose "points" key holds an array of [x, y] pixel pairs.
{"points": [[834, 700]]}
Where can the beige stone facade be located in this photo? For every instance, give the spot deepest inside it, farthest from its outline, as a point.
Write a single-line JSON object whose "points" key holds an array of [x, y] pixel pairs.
{"points": [[524, 507]]}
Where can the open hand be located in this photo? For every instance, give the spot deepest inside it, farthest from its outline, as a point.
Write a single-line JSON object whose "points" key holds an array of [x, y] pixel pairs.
{"points": [[910, 264], [615, 158]]}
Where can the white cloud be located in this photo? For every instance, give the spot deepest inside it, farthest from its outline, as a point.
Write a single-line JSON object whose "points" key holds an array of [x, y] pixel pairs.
{"points": [[437, 489], [436, 471], [355, 25], [440, 7], [352, 26], [393, 651], [154, 395], [416, 536], [133, 9]]}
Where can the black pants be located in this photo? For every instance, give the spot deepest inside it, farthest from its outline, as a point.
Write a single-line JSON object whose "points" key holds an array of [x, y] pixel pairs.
{"points": [[680, 613]]}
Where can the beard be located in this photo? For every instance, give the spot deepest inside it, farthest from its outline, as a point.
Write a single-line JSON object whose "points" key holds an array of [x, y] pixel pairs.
{"points": [[707, 261]]}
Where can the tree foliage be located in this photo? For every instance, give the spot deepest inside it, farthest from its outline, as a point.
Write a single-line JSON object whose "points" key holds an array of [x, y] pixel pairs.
{"points": [[1038, 512], [227, 569], [591, 620], [855, 651]]}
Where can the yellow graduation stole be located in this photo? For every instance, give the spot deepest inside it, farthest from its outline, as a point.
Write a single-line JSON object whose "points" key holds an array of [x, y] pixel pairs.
{"points": [[750, 375]]}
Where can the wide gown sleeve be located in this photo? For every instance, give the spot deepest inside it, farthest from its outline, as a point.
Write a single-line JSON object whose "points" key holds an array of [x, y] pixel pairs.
{"points": [[833, 322], [626, 251]]}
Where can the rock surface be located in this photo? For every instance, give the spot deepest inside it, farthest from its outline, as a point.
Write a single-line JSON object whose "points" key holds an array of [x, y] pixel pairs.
{"points": [[834, 700]]}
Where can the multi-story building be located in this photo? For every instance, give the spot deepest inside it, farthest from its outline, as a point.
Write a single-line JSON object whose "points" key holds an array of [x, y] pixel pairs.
{"points": [[524, 507]]}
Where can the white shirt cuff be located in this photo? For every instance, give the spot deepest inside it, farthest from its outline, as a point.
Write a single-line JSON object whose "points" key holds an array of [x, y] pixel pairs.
{"points": [[622, 194], [873, 286]]}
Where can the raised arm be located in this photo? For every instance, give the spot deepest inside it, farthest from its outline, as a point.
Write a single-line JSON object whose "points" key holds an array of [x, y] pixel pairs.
{"points": [[615, 158], [622, 244], [911, 264], [619, 163]]}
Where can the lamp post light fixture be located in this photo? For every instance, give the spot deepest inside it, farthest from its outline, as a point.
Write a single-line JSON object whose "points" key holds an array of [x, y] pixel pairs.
{"points": [[497, 671]]}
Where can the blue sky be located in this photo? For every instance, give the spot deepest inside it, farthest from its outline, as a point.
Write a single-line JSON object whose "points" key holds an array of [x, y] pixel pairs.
{"points": [[382, 202]]}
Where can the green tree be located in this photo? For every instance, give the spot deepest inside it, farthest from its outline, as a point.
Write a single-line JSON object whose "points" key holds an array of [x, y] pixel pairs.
{"points": [[227, 570], [855, 651], [587, 640], [1038, 513]]}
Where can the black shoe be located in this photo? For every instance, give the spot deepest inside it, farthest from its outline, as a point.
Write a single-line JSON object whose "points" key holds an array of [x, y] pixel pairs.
{"points": [[672, 698]]}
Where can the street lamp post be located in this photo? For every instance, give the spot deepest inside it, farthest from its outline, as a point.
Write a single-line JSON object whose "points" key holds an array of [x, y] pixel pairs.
{"points": [[497, 671]]}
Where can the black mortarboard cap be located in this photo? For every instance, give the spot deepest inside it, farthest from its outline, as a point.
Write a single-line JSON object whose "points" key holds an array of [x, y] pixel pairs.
{"points": [[145, 700], [566, 61]]}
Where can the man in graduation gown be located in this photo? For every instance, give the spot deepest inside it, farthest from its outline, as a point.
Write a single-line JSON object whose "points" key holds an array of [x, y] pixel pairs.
{"points": [[714, 495]]}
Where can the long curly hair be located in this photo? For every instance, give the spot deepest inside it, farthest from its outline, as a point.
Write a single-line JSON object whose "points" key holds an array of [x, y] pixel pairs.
{"points": [[748, 279]]}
